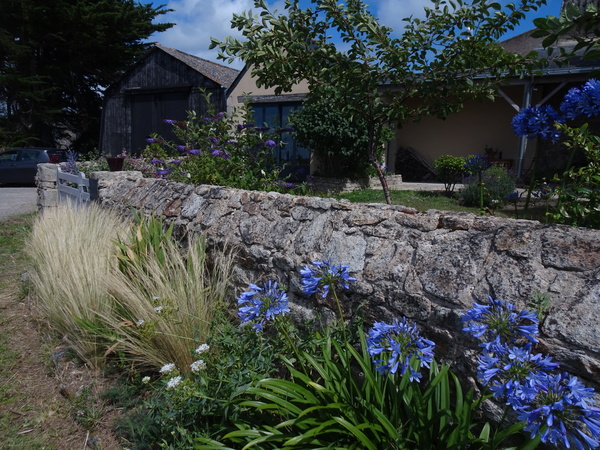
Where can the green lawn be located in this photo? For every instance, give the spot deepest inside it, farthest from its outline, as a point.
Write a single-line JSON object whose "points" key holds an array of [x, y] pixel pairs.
{"points": [[425, 200]]}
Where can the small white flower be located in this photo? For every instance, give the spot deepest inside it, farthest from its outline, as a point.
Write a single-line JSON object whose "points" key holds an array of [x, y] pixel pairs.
{"points": [[146, 380], [173, 382], [140, 322], [167, 368], [159, 309], [197, 366], [203, 348]]}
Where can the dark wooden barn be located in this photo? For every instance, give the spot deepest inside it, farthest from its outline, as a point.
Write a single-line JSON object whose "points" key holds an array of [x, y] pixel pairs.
{"points": [[165, 84]]}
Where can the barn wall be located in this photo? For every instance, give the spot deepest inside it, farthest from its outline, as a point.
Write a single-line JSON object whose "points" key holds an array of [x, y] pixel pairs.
{"points": [[155, 80]]}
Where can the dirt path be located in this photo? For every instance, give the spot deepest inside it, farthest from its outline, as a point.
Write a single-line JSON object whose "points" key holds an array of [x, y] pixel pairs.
{"points": [[35, 408], [39, 399]]}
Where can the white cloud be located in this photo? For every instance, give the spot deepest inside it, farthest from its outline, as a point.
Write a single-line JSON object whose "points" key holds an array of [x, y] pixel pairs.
{"points": [[392, 12], [196, 21]]}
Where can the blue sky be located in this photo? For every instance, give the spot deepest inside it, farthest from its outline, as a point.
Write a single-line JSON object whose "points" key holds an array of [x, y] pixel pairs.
{"points": [[199, 20]]}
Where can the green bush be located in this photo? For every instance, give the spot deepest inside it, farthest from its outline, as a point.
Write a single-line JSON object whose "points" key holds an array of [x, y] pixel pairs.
{"points": [[498, 184], [450, 170]]}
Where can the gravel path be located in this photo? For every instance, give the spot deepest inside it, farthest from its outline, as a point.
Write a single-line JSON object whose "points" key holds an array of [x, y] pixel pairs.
{"points": [[17, 200]]}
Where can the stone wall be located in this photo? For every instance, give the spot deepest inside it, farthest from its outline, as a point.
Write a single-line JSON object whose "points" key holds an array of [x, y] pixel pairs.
{"points": [[427, 266]]}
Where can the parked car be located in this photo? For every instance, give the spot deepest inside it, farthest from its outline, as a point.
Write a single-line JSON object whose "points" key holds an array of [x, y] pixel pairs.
{"points": [[19, 165]]}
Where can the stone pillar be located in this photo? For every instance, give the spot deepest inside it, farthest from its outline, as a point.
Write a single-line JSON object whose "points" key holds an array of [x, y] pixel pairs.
{"points": [[46, 186]]}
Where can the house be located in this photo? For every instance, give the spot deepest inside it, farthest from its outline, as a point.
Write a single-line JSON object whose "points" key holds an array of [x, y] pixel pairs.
{"points": [[480, 125], [164, 84], [487, 124], [273, 111]]}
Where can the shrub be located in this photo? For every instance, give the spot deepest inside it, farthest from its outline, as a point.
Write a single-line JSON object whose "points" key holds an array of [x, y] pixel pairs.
{"points": [[450, 170], [219, 149], [498, 184]]}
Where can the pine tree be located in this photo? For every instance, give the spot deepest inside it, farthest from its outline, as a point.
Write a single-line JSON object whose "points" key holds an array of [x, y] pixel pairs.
{"points": [[56, 56]]}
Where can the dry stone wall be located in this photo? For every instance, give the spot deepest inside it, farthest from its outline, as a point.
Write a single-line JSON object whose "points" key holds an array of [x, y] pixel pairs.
{"points": [[427, 266]]}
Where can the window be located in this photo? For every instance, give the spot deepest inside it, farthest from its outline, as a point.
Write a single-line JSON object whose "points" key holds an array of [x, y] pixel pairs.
{"points": [[294, 158]]}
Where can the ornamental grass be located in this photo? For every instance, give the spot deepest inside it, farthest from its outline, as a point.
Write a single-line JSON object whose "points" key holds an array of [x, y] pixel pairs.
{"points": [[72, 252], [165, 306]]}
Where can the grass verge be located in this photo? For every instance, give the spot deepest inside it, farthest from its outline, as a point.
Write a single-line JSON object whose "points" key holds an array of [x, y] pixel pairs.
{"points": [[425, 200]]}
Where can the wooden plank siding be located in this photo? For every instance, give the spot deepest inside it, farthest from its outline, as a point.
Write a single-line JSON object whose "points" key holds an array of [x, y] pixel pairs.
{"points": [[160, 86]]}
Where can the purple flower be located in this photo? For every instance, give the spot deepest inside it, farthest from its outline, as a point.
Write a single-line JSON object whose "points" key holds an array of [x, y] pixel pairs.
{"points": [[157, 161], [537, 121], [477, 164], [270, 143], [260, 304], [499, 319], [214, 140], [582, 102], [163, 173], [511, 373], [324, 276], [151, 140], [285, 184], [400, 343], [175, 161], [194, 152], [170, 121], [182, 148], [560, 413]]}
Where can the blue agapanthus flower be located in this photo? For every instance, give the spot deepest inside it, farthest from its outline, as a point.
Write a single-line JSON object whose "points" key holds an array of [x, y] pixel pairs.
{"points": [[582, 102], [477, 164], [561, 413], [399, 346], [323, 276], [537, 121], [500, 319], [260, 304], [511, 373]]}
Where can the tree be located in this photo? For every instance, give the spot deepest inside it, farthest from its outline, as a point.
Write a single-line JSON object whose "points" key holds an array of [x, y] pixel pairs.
{"points": [[337, 140], [57, 56], [579, 20], [430, 69]]}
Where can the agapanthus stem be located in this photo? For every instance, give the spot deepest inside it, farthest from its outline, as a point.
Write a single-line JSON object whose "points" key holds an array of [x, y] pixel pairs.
{"points": [[340, 312]]}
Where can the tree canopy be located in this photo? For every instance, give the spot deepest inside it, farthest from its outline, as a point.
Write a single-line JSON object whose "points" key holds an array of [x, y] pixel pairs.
{"points": [[431, 67], [56, 57]]}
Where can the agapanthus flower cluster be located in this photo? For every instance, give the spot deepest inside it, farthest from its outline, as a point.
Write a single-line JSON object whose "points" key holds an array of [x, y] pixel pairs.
{"points": [[540, 120], [537, 121], [511, 373], [477, 164], [582, 102], [555, 407], [500, 319], [561, 413], [323, 276], [261, 304], [399, 346]]}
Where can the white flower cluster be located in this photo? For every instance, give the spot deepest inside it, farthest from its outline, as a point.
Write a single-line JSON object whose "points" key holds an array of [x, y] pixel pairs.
{"points": [[197, 366], [203, 348], [173, 382], [167, 368]]}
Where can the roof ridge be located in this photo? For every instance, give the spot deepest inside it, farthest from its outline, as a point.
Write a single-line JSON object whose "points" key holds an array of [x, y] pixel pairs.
{"points": [[225, 78]]}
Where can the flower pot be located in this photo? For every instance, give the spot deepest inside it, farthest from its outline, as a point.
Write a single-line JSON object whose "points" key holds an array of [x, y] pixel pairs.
{"points": [[115, 163]]}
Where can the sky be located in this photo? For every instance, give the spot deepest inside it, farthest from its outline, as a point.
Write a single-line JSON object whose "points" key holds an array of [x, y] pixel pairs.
{"points": [[199, 20]]}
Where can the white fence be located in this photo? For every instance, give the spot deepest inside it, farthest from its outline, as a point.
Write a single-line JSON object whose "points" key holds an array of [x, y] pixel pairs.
{"points": [[74, 188]]}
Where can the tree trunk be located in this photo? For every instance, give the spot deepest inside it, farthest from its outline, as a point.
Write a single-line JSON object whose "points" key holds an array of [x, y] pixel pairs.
{"points": [[383, 181]]}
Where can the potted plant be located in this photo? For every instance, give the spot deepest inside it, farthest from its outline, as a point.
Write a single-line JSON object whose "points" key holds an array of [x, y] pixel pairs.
{"points": [[115, 163]]}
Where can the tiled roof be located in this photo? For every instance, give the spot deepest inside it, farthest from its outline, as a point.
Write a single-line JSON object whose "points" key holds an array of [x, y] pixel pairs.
{"points": [[218, 73]]}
